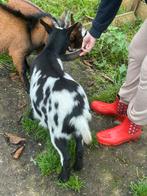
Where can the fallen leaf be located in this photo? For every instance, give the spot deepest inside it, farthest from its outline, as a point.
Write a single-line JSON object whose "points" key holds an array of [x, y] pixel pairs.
{"points": [[14, 139], [17, 153]]}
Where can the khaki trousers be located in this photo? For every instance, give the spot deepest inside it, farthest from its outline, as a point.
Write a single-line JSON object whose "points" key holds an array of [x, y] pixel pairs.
{"points": [[134, 90]]}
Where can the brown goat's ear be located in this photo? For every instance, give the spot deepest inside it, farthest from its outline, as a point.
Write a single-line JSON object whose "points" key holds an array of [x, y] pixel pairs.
{"points": [[71, 28], [48, 28]]}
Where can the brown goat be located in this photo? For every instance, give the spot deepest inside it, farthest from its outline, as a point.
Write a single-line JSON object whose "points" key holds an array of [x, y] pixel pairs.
{"points": [[19, 44], [38, 35], [16, 32]]}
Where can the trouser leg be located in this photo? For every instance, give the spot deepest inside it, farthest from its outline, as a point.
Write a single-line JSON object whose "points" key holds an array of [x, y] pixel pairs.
{"points": [[137, 52], [137, 109]]}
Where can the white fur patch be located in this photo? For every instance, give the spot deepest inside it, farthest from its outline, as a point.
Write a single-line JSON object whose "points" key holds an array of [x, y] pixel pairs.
{"points": [[60, 63]]}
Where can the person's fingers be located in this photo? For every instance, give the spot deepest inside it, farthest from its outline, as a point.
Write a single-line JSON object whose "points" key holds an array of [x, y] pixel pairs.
{"points": [[84, 51], [84, 43], [87, 44]]}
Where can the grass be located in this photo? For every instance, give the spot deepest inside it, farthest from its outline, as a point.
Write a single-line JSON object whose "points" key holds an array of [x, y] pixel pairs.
{"points": [[139, 188], [6, 63], [80, 8], [48, 161], [74, 183]]}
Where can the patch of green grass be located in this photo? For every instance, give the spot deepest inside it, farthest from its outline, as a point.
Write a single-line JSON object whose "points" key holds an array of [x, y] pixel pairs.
{"points": [[111, 48], [6, 62], [130, 29], [139, 188], [94, 140], [48, 161], [74, 183], [108, 94], [32, 128], [80, 8], [5, 59]]}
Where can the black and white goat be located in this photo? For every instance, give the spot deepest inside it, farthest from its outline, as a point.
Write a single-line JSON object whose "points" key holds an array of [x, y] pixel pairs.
{"points": [[58, 102]]}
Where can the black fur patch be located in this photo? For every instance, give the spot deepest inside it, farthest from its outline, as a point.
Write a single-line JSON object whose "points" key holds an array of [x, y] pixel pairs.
{"points": [[35, 106], [77, 111], [47, 94], [39, 92], [50, 108], [56, 105], [56, 119], [43, 110], [64, 83], [46, 119], [50, 102]]}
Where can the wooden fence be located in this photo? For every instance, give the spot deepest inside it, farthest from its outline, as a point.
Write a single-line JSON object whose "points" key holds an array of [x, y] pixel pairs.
{"points": [[134, 8]]}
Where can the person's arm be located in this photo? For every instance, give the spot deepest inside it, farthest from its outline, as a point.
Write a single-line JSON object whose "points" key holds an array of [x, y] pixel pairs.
{"points": [[106, 12]]}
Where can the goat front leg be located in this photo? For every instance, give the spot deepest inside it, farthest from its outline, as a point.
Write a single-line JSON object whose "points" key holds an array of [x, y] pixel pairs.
{"points": [[24, 75], [21, 66], [61, 146], [78, 165]]}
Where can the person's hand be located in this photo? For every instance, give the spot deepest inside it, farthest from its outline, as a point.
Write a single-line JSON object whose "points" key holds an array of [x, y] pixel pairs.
{"points": [[88, 44]]}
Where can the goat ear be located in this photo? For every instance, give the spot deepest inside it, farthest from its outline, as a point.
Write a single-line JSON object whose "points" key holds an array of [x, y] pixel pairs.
{"points": [[65, 20], [72, 19], [48, 28], [71, 28]]}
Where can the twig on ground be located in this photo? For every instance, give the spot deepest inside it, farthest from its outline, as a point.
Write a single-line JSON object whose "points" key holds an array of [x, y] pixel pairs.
{"points": [[87, 63], [107, 78]]}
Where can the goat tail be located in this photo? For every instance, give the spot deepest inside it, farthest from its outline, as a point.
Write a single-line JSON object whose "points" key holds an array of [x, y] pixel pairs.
{"points": [[81, 125]]}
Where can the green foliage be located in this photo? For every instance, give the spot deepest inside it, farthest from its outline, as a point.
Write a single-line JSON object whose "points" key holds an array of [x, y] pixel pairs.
{"points": [[139, 188], [119, 75], [32, 128], [74, 183], [130, 29], [111, 48], [3, 1], [108, 94], [80, 8], [48, 161]]}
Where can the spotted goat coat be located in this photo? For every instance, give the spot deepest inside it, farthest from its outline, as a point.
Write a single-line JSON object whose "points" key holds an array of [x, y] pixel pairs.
{"points": [[59, 102]]}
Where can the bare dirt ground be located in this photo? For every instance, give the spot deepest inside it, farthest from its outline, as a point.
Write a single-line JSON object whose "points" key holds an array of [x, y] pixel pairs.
{"points": [[107, 171]]}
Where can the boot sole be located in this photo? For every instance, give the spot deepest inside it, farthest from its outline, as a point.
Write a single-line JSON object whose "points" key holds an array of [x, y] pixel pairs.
{"points": [[119, 143]]}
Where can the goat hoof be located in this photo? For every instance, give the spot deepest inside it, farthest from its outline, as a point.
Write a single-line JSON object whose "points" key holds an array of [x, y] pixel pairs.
{"points": [[78, 166], [63, 177]]}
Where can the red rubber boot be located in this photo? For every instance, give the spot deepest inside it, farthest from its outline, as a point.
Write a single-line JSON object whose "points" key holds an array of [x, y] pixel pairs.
{"points": [[116, 108], [126, 131]]}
